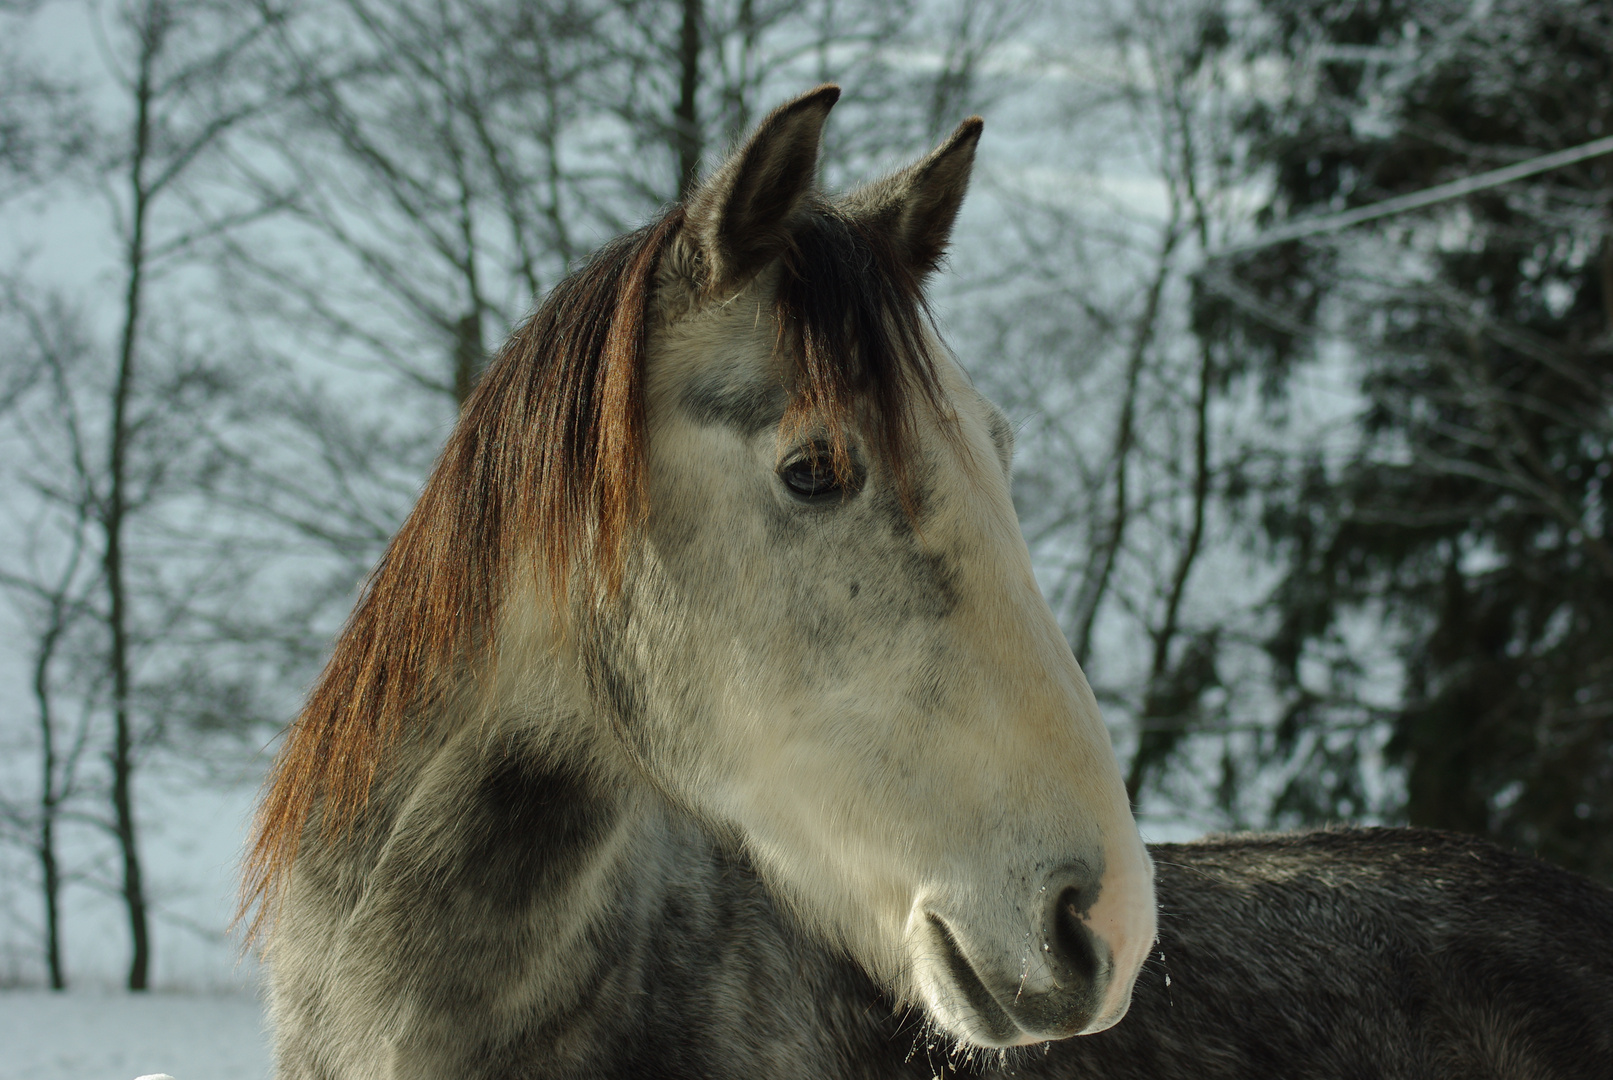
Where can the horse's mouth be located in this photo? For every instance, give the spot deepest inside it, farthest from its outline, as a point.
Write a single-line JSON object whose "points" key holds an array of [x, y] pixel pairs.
{"points": [[990, 1024], [1063, 999]]}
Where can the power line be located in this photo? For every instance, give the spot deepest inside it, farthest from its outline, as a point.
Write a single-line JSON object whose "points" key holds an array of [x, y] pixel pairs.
{"points": [[1419, 199]]}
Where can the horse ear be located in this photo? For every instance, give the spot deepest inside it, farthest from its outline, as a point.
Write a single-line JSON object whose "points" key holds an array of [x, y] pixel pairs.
{"points": [[740, 218], [920, 204]]}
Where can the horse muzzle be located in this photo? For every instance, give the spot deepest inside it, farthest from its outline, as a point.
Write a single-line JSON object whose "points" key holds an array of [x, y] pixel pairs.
{"points": [[1056, 977]]}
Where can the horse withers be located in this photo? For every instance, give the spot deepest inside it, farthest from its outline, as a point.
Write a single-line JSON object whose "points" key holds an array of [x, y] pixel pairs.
{"points": [[710, 654]]}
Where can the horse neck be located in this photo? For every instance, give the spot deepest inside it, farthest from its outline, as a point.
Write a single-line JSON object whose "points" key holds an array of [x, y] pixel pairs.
{"points": [[508, 883]]}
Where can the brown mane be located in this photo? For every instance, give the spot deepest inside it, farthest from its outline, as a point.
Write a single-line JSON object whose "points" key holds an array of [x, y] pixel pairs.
{"points": [[551, 446]]}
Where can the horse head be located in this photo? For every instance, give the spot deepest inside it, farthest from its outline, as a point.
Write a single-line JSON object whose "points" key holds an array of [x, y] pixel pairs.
{"points": [[828, 643]]}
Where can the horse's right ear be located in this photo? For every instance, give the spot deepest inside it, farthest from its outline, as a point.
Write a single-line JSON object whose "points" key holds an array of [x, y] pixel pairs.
{"points": [[919, 205], [739, 219]]}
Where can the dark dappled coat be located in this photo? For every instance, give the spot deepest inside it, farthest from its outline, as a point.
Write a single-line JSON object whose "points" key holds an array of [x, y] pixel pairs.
{"points": [[1347, 954], [1364, 953]]}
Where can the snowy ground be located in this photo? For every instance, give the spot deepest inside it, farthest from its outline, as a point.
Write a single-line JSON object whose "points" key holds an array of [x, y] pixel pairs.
{"points": [[96, 1036], [203, 1022]]}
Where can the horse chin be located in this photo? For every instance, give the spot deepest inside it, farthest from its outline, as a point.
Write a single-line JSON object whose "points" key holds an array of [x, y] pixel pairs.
{"points": [[971, 1015]]}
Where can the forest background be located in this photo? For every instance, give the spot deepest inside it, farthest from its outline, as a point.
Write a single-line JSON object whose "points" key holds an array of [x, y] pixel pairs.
{"points": [[1322, 509]]}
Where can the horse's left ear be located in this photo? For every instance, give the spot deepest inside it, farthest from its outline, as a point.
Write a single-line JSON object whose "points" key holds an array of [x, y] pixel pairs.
{"points": [[920, 204], [740, 219]]}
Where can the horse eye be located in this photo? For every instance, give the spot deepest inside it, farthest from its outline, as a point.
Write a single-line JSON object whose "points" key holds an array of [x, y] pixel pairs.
{"points": [[812, 477]]}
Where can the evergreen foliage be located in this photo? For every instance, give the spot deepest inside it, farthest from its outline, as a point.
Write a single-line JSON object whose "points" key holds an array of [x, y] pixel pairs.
{"points": [[1469, 520]]}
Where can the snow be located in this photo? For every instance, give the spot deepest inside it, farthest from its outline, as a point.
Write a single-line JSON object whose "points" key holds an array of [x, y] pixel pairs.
{"points": [[111, 1036]]}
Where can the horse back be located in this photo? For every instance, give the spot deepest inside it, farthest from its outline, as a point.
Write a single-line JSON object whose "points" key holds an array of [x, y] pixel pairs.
{"points": [[1366, 953]]}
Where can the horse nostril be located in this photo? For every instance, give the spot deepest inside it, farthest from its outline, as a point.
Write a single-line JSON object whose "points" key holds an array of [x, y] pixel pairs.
{"points": [[1072, 949]]}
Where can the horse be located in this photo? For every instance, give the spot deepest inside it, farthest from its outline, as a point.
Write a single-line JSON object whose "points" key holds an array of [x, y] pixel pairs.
{"points": [[704, 719], [712, 633]]}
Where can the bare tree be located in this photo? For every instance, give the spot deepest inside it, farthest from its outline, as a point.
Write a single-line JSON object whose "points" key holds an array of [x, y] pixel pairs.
{"points": [[51, 583], [447, 162], [1138, 427], [183, 58], [459, 157], [184, 81]]}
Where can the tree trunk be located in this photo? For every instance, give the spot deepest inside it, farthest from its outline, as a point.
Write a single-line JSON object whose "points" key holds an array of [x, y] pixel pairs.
{"points": [[470, 356], [49, 803], [687, 117], [1607, 283], [113, 520], [1107, 552], [1154, 742]]}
